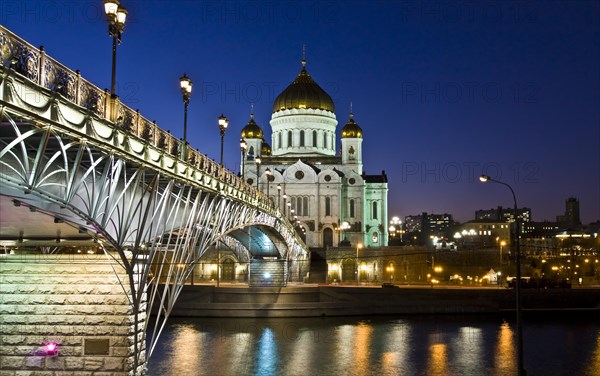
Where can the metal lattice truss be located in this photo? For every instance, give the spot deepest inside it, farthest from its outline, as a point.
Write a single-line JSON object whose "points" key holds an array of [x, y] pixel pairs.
{"points": [[150, 211]]}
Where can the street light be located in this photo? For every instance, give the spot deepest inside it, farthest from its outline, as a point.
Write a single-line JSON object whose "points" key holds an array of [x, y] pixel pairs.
{"points": [[396, 223], [278, 196], [186, 90], [115, 16], [345, 226], [257, 161], [358, 246], [243, 147], [223, 123], [502, 244], [521, 368], [390, 269], [268, 173]]}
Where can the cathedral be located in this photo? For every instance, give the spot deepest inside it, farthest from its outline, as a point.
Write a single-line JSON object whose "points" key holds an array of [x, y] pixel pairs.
{"points": [[322, 190]]}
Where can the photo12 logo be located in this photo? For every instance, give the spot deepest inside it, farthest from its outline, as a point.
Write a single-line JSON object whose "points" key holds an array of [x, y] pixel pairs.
{"points": [[456, 172], [470, 92]]}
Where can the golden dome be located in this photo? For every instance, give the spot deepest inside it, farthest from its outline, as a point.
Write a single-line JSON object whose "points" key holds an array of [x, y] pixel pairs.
{"points": [[303, 92], [252, 130], [351, 129], [265, 148]]}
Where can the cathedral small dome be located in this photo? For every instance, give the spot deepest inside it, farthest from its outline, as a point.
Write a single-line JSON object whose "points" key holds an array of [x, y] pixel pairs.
{"points": [[303, 92], [351, 129], [252, 130], [265, 148]]}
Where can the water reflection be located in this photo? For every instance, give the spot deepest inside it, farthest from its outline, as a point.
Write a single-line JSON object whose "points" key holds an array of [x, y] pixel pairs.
{"points": [[349, 346], [505, 354], [396, 350], [437, 363], [594, 366], [266, 356], [468, 347], [362, 346]]}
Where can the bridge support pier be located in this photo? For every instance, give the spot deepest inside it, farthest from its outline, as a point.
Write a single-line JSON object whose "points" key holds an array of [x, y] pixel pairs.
{"points": [[78, 302]]}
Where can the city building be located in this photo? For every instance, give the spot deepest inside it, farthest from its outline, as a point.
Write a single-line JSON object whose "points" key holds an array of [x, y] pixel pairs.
{"points": [[501, 214], [323, 189], [570, 219], [484, 233], [421, 228]]}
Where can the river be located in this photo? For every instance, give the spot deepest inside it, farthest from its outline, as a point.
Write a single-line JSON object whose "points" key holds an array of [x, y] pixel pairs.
{"points": [[554, 344]]}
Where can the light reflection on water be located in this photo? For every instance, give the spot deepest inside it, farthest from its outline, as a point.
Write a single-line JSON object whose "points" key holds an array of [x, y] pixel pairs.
{"points": [[431, 345]]}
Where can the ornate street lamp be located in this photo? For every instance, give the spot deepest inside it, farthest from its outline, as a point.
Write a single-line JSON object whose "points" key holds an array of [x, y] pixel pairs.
{"points": [[268, 173], [115, 16], [243, 147], [223, 123], [278, 196], [396, 223], [257, 161], [358, 246], [521, 368], [344, 227], [186, 90]]}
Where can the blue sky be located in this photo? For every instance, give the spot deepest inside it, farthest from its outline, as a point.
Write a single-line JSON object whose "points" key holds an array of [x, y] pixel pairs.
{"points": [[444, 91]]}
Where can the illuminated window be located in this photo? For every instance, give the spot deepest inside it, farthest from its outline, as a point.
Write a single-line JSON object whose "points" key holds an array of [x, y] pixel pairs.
{"points": [[375, 237]]}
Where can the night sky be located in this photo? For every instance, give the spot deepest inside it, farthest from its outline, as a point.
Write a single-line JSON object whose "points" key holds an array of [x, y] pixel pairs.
{"points": [[444, 91]]}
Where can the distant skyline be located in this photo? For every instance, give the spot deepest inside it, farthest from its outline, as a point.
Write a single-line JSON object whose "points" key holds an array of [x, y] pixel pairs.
{"points": [[443, 91]]}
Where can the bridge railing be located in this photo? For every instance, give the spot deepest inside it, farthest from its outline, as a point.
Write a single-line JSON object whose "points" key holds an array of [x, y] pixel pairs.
{"points": [[34, 64]]}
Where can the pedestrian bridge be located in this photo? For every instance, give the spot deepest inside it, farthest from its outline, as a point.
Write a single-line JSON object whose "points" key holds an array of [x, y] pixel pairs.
{"points": [[83, 174]]}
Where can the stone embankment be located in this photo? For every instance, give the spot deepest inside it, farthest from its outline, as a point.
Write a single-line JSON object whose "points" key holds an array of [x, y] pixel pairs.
{"points": [[314, 301]]}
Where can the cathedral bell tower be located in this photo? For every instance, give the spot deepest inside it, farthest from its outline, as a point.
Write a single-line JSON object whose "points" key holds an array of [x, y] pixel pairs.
{"points": [[352, 145]]}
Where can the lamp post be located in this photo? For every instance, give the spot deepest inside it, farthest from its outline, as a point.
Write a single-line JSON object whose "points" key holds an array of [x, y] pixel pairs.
{"points": [[395, 223], [186, 90], [502, 244], [344, 227], [521, 369], [358, 246], [268, 173], [257, 161], [390, 269], [243, 147], [278, 196], [115, 16], [223, 123]]}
